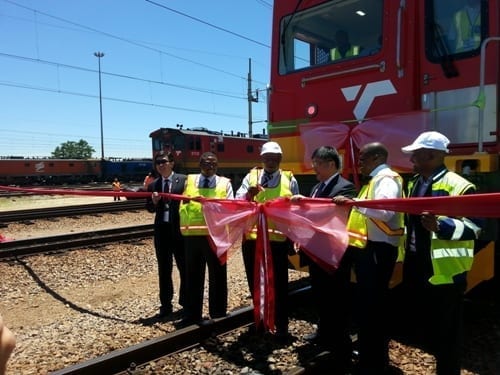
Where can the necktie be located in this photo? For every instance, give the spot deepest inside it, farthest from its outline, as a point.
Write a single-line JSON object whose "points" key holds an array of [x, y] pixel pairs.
{"points": [[166, 186], [319, 190], [266, 178], [206, 183]]}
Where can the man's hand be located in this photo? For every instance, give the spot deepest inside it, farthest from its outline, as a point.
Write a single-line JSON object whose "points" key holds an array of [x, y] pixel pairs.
{"points": [[340, 199], [155, 197], [429, 221], [253, 191]]}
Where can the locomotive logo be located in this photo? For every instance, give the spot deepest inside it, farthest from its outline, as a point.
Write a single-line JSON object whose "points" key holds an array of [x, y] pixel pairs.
{"points": [[40, 167], [371, 91]]}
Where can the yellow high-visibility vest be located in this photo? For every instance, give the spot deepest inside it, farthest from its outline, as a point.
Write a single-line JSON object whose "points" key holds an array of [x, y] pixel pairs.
{"points": [[191, 216], [356, 224], [468, 31], [450, 257], [352, 51], [281, 190]]}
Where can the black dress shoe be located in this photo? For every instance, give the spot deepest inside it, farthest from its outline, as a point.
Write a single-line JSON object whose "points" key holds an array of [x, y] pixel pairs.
{"points": [[218, 315], [187, 321], [283, 337], [311, 337], [161, 316], [163, 313], [317, 339]]}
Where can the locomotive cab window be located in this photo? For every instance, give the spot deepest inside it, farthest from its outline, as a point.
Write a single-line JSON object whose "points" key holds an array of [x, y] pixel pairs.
{"points": [[330, 33], [194, 143], [455, 28]]}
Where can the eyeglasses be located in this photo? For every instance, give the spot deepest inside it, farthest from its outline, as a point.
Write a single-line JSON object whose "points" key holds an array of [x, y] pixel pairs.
{"points": [[208, 163], [163, 161]]}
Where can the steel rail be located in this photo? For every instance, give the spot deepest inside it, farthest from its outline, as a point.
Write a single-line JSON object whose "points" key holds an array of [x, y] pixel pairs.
{"points": [[122, 360], [87, 209], [38, 245]]}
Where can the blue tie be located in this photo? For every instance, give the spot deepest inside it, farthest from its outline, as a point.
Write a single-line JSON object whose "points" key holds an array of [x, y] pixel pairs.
{"points": [[319, 190], [266, 178], [206, 183]]}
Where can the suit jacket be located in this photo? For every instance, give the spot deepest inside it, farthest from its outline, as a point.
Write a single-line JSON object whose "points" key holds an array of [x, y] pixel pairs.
{"points": [[177, 187], [337, 186]]}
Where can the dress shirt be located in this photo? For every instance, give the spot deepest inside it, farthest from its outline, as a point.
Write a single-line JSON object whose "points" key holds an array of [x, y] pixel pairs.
{"points": [[385, 188], [212, 183]]}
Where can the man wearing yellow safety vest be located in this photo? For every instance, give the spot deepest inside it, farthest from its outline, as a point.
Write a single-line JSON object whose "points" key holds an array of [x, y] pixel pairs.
{"points": [[465, 33], [197, 245], [374, 239], [439, 252], [343, 48], [260, 185]]}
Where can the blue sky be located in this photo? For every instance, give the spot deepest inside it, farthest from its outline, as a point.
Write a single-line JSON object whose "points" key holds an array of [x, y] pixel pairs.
{"points": [[162, 66]]}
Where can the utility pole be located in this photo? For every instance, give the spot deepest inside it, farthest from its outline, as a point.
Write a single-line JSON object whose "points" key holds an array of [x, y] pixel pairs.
{"points": [[251, 98], [99, 55]]}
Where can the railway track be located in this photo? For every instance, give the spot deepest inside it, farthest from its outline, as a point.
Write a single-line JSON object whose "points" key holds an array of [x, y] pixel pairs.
{"points": [[129, 359], [38, 245], [43, 213]]}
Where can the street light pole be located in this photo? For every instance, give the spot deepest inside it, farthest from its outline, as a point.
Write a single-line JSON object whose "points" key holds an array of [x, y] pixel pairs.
{"points": [[99, 55]]}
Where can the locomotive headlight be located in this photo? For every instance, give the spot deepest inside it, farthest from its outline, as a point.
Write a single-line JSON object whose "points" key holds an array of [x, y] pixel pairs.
{"points": [[311, 110]]}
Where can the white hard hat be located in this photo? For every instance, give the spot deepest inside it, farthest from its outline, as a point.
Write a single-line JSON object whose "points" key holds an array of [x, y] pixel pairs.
{"points": [[271, 148]]}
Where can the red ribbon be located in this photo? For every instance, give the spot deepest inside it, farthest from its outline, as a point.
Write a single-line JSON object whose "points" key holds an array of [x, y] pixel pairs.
{"points": [[311, 222], [263, 296]]}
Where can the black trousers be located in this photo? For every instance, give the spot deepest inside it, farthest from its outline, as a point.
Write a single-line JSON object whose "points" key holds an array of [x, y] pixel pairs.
{"points": [[333, 302], [435, 312], [169, 244], [373, 267], [200, 256], [279, 254]]}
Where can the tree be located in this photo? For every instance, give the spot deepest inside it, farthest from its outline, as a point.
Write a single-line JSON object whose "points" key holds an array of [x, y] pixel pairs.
{"points": [[73, 150]]}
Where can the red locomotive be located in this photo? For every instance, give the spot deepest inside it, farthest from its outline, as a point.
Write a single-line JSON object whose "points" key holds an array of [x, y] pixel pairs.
{"points": [[45, 171], [48, 171], [349, 72], [236, 153]]}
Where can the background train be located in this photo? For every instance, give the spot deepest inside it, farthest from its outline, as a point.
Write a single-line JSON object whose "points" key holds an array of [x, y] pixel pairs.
{"points": [[236, 153], [71, 171]]}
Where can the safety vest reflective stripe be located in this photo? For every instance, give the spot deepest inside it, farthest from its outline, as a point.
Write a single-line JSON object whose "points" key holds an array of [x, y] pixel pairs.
{"points": [[357, 235], [452, 253], [382, 225], [195, 227], [459, 230], [269, 230]]}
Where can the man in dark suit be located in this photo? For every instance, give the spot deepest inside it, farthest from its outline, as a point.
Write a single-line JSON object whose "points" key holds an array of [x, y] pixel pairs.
{"points": [[331, 290], [168, 240]]}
